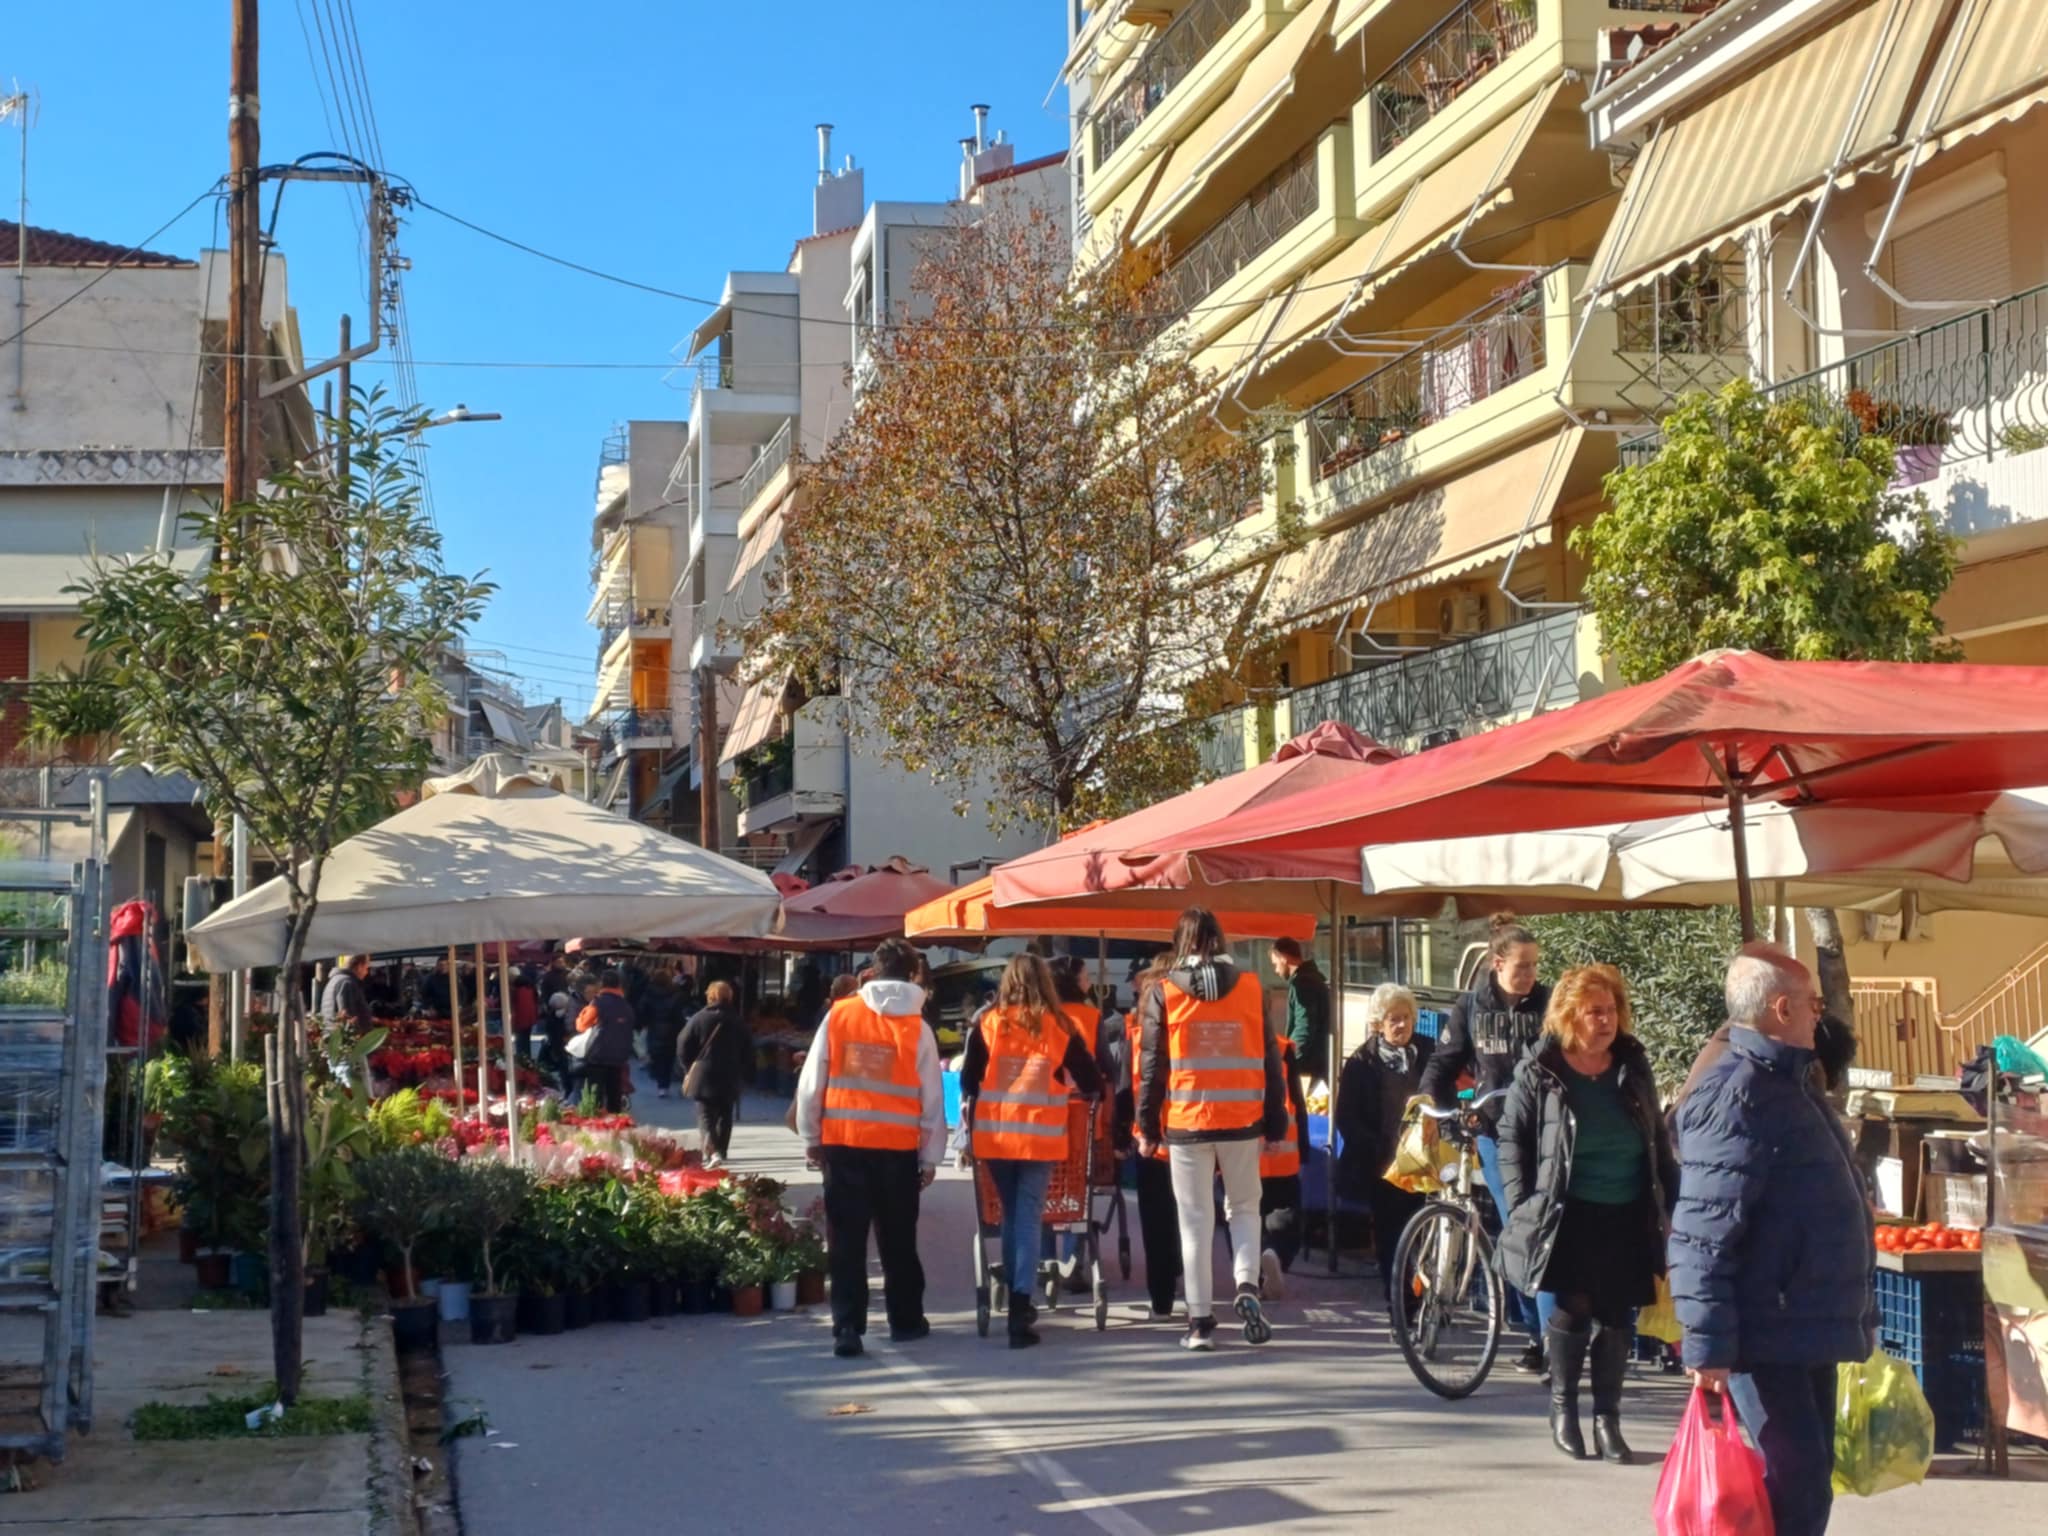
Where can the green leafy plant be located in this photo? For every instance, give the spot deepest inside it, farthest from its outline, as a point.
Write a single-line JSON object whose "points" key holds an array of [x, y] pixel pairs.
{"points": [[219, 1127], [404, 1119], [2023, 437], [337, 1132], [403, 1196], [227, 1418], [489, 1197], [46, 984]]}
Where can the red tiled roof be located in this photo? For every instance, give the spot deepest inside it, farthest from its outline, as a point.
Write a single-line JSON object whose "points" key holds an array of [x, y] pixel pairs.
{"points": [[823, 234], [1021, 168], [54, 248]]}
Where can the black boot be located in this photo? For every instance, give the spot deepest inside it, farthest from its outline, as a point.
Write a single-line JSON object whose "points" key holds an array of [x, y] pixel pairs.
{"points": [[1609, 1368], [1022, 1316], [1567, 1365]]}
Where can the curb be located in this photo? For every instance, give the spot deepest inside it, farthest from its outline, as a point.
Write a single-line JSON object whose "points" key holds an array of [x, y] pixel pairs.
{"points": [[390, 1482]]}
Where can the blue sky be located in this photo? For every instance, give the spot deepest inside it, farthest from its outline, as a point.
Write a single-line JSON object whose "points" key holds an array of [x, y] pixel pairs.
{"points": [[668, 140]]}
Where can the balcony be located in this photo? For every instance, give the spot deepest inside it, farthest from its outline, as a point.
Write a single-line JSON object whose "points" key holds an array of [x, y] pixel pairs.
{"points": [[1459, 51], [765, 467], [629, 730], [799, 778], [1250, 229], [1168, 62], [617, 620], [1236, 740], [1452, 690]]}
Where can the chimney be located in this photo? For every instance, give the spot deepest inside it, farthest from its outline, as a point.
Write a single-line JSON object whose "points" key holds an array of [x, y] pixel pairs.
{"points": [[980, 110], [839, 198], [824, 153]]}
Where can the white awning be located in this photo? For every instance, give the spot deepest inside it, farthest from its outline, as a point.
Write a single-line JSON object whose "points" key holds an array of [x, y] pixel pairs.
{"points": [[714, 326]]}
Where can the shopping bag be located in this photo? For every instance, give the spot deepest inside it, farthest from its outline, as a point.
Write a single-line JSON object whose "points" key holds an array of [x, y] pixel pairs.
{"points": [[1884, 1430], [1713, 1483], [1414, 1164], [1659, 1320]]}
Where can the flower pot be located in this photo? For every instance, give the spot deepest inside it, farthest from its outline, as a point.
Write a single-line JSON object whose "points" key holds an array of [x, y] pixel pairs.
{"points": [[1916, 463], [694, 1294], [576, 1308], [540, 1315], [746, 1301], [493, 1319], [631, 1302], [213, 1268], [454, 1300], [188, 1245], [415, 1326], [431, 1290], [661, 1298], [251, 1275], [810, 1288], [782, 1295], [316, 1290]]}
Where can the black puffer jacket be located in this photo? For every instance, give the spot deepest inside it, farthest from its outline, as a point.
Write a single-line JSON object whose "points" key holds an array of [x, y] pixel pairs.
{"points": [[1488, 1034], [1377, 1084], [1537, 1138]]}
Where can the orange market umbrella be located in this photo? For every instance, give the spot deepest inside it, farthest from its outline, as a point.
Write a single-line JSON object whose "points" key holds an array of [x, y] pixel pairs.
{"points": [[970, 913]]}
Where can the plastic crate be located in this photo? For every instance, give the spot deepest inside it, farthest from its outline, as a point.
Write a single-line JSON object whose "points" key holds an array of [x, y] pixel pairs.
{"points": [[1935, 1324], [1429, 1022]]}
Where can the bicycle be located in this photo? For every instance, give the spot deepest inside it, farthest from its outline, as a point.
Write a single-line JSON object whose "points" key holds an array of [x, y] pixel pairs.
{"points": [[1448, 1297]]}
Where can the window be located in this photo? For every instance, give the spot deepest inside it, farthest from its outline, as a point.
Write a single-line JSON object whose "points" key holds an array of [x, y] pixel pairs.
{"points": [[1965, 254]]}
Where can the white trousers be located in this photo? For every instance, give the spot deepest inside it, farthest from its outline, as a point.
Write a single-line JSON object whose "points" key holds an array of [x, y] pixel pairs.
{"points": [[1194, 1167]]}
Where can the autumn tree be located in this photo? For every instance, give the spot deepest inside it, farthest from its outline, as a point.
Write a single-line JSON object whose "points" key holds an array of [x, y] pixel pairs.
{"points": [[1769, 524], [291, 676], [1019, 552]]}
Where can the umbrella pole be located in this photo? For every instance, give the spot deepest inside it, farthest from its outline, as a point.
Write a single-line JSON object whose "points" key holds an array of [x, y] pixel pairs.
{"points": [[455, 1025], [511, 1054], [1745, 897], [1330, 1077], [483, 1039]]}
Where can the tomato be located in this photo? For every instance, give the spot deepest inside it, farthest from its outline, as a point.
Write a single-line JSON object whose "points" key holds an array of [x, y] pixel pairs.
{"points": [[1949, 1239], [1973, 1242]]}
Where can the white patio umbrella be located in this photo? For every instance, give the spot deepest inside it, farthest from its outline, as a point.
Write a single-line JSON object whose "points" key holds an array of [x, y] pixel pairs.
{"points": [[1991, 856]]}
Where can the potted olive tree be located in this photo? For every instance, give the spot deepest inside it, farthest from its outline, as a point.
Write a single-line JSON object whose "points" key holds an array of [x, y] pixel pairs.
{"points": [[405, 1196], [489, 1197]]}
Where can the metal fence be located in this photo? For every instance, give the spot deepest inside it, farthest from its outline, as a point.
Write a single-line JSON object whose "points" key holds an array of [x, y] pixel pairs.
{"points": [[1277, 205], [765, 466], [1524, 668], [1459, 50], [1458, 367], [1170, 60]]}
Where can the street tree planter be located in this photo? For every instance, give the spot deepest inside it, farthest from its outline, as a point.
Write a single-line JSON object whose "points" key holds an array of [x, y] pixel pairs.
{"points": [[415, 1326], [543, 1316], [493, 1319]]}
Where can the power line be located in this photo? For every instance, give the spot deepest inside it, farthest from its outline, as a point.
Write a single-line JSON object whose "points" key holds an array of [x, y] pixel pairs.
{"points": [[213, 190]]}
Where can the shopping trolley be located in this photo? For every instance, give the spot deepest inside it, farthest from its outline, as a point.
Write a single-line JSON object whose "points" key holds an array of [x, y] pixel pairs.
{"points": [[1085, 1178]]}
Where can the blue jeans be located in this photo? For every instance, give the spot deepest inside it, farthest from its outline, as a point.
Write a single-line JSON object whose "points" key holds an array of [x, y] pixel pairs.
{"points": [[1021, 1186], [1531, 1313], [1789, 1411]]}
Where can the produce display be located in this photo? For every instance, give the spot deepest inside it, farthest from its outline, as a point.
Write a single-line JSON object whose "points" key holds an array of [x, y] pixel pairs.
{"points": [[1930, 1238]]}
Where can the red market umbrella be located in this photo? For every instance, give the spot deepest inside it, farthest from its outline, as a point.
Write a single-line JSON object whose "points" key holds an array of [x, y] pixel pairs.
{"points": [[971, 914], [1724, 731], [855, 907]]}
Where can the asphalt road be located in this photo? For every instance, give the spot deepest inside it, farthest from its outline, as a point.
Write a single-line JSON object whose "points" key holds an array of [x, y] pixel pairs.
{"points": [[723, 1424]]}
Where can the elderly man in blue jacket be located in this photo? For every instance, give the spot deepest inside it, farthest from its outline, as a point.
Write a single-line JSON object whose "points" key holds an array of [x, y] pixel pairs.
{"points": [[1771, 1245]]}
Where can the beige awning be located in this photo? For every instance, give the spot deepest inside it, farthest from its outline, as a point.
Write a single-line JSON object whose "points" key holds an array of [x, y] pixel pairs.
{"points": [[1437, 535], [1993, 68], [1260, 93], [754, 553], [713, 326], [1766, 145], [754, 721]]}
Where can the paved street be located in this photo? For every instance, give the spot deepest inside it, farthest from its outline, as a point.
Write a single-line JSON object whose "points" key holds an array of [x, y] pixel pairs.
{"points": [[711, 1423]]}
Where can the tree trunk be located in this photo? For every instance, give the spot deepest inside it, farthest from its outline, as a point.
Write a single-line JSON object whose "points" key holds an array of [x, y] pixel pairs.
{"points": [[287, 1096], [1831, 964]]}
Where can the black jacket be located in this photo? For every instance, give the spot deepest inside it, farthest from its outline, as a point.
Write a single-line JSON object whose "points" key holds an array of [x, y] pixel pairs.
{"points": [[613, 1046], [1537, 1140], [1209, 980], [721, 1037], [1484, 1033], [1375, 1088]]}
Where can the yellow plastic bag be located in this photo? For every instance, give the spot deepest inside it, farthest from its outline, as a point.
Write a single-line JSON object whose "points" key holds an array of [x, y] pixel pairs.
{"points": [[1884, 1430], [1414, 1164], [1659, 1320]]}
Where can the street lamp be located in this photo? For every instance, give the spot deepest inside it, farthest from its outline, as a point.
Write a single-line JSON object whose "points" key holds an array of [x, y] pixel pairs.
{"points": [[460, 413]]}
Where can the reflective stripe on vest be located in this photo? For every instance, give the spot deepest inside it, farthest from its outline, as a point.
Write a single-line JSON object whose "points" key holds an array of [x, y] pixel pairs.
{"points": [[1216, 1059], [1283, 1159], [872, 1095], [1020, 1114]]}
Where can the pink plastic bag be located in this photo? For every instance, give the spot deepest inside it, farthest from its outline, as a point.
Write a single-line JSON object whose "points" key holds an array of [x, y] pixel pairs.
{"points": [[1713, 1483]]}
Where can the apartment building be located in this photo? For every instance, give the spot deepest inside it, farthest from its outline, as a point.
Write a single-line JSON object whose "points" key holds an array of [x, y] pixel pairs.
{"points": [[109, 434], [1861, 164], [779, 366]]}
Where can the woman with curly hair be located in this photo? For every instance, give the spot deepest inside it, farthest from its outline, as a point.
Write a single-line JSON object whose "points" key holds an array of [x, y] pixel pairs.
{"points": [[1589, 1173]]}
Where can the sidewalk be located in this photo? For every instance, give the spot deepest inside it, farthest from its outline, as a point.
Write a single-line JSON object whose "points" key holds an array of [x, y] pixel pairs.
{"points": [[335, 1485]]}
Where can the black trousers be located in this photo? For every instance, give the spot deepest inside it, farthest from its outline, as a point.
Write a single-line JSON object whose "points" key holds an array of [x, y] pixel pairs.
{"points": [[609, 1079], [1392, 1207], [1280, 1215], [866, 1188], [714, 1125], [1159, 1229]]}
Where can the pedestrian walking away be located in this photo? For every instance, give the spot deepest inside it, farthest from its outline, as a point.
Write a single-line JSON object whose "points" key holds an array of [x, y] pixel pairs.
{"points": [[1210, 1088], [1772, 1251], [1589, 1172], [711, 1055], [1280, 1213], [1158, 1216], [1488, 1032], [1379, 1079], [870, 1108], [608, 1019], [1022, 1065]]}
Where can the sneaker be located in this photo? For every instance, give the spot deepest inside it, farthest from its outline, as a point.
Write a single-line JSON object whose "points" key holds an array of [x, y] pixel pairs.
{"points": [[846, 1345], [1256, 1329], [661, 1093], [1200, 1335], [1272, 1279], [910, 1333], [1153, 1314], [1530, 1361]]}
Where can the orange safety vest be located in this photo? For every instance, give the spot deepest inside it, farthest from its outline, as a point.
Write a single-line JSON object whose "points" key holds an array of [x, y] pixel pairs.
{"points": [[1283, 1159], [1021, 1112], [1087, 1021], [873, 1098], [1216, 1058]]}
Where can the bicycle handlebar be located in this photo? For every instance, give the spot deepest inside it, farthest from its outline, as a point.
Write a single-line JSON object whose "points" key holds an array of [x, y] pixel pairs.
{"points": [[1457, 1111]]}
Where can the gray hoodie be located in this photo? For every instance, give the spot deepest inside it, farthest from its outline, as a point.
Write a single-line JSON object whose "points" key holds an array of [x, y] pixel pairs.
{"points": [[1207, 980]]}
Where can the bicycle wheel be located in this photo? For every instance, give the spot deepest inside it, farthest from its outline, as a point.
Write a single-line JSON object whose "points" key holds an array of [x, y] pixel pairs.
{"points": [[1447, 1300]]}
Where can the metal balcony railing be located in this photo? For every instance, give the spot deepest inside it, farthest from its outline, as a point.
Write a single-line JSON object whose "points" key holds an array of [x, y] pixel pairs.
{"points": [[1466, 685], [1973, 386], [766, 466], [1170, 60], [1276, 206], [1457, 51], [1687, 330], [1460, 366], [623, 727], [617, 618]]}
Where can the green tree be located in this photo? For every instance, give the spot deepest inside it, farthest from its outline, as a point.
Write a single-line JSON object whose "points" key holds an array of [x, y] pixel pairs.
{"points": [[1018, 550], [290, 676], [1768, 524]]}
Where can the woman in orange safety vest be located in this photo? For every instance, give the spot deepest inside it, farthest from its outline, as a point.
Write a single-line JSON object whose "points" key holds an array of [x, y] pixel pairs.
{"points": [[1024, 1061]]}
